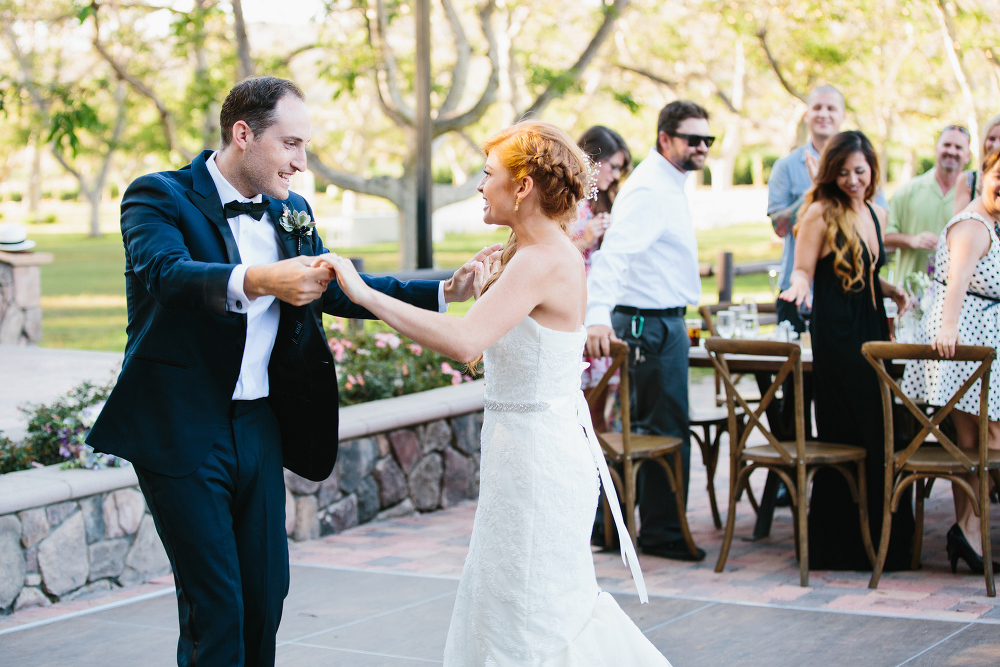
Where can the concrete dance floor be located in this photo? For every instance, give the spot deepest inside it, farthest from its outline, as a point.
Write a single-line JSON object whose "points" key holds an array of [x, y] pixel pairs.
{"points": [[382, 594]]}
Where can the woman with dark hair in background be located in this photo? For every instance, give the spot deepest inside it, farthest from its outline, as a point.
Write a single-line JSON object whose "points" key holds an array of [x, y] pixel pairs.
{"points": [[838, 250], [613, 161]]}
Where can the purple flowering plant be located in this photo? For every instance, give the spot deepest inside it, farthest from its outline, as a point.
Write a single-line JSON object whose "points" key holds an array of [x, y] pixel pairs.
{"points": [[57, 433]]}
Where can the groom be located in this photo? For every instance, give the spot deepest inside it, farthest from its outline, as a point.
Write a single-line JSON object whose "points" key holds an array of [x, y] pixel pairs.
{"points": [[227, 374]]}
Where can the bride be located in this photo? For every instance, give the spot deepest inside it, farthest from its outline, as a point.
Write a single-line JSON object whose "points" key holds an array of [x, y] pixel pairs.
{"points": [[528, 593]]}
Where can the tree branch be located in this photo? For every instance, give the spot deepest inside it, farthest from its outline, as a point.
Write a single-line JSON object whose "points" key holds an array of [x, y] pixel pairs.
{"points": [[489, 96], [463, 54], [673, 85], [297, 52], [558, 87], [166, 118], [390, 68], [762, 37], [449, 194], [242, 42], [385, 187]]}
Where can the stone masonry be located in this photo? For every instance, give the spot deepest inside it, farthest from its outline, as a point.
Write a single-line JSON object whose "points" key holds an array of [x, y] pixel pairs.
{"points": [[75, 548], [20, 297], [419, 469]]}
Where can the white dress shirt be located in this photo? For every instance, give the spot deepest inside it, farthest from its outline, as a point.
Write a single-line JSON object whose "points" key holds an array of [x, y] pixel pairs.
{"points": [[649, 256], [257, 241]]}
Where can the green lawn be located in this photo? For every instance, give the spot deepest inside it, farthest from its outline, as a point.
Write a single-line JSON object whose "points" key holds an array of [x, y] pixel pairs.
{"points": [[83, 289]]}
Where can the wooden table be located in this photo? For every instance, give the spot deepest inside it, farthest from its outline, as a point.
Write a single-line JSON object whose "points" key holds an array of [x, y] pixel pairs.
{"points": [[738, 363]]}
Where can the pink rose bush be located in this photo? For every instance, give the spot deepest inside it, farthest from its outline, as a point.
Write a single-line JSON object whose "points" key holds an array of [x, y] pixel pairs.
{"points": [[375, 362]]}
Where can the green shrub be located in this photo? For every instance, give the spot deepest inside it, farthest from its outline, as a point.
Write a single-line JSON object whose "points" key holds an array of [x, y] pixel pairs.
{"points": [[13, 457], [16, 196], [69, 196], [113, 191], [46, 194], [48, 218], [375, 362]]}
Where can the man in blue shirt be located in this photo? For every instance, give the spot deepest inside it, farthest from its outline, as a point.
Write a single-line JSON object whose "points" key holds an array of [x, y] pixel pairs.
{"points": [[792, 176]]}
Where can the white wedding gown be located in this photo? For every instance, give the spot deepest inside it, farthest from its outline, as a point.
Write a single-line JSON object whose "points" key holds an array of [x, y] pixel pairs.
{"points": [[528, 594]]}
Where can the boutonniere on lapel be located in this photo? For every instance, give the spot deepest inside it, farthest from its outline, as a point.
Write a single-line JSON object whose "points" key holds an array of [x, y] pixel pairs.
{"points": [[296, 223]]}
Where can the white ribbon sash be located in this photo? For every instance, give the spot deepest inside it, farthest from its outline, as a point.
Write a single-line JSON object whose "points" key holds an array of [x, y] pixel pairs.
{"points": [[629, 557]]}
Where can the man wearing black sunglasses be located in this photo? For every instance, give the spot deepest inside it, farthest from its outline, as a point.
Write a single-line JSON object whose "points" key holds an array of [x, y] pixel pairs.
{"points": [[639, 286]]}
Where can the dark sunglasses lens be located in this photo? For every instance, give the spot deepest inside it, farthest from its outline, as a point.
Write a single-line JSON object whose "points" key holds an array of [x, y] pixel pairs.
{"points": [[694, 140]]}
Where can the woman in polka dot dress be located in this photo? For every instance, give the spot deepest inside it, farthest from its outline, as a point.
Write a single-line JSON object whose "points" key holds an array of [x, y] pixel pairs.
{"points": [[966, 311]]}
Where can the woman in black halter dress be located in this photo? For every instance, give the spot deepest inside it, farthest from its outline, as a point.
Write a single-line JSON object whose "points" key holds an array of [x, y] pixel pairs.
{"points": [[848, 310]]}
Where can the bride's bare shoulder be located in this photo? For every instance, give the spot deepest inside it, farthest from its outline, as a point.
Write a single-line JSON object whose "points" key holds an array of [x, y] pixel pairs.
{"points": [[560, 255]]}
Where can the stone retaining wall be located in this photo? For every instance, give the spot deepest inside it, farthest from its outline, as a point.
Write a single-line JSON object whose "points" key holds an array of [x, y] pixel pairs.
{"points": [[66, 534], [431, 466], [75, 548]]}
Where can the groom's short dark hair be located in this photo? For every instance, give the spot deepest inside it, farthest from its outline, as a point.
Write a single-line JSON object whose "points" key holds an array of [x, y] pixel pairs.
{"points": [[253, 101]]}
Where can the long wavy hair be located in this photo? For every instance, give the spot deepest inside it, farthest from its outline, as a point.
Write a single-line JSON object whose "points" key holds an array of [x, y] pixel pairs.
{"points": [[841, 221], [562, 175], [600, 144]]}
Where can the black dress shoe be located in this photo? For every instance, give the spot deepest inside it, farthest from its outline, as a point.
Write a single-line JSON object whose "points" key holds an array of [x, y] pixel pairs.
{"points": [[959, 547], [675, 551]]}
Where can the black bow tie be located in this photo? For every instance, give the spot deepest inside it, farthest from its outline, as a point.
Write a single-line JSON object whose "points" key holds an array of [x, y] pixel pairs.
{"points": [[255, 211]]}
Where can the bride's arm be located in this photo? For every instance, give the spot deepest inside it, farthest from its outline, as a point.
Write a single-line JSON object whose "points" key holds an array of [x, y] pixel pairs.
{"points": [[525, 282]]}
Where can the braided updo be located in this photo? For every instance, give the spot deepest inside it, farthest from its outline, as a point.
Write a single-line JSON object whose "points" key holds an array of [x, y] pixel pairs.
{"points": [[561, 171]]}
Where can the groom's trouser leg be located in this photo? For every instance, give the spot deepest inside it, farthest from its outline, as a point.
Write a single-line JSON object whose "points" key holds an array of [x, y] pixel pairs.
{"points": [[223, 529]]}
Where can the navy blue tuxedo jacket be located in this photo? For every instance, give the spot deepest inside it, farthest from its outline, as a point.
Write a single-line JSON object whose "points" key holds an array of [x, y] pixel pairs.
{"points": [[184, 349]]}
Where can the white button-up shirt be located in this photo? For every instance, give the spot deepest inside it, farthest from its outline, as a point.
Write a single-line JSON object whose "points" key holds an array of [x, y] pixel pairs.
{"points": [[257, 241], [649, 257]]}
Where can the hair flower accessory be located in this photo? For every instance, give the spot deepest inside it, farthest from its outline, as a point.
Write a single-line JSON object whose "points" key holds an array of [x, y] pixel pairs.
{"points": [[298, 223], [590, 178]]}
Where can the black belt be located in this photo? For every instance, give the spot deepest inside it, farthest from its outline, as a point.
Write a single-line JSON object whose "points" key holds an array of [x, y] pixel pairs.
{"points": [[238, 409], [651, 312]]}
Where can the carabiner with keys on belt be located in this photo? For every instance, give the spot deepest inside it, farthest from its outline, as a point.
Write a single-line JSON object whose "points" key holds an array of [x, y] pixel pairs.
{"points": [[637, 323]]}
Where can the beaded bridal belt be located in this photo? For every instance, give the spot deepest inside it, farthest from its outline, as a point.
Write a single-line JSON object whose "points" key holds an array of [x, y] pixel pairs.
{"points": [[513, 406]]}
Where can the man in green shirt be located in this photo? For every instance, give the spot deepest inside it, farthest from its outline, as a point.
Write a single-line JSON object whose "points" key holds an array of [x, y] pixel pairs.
{"points": [[920, 209]]}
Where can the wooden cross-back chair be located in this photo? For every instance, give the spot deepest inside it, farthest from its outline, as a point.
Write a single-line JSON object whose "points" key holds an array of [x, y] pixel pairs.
{"points": [[922, 459], [632, 450], [708, 423], [795, 462]]}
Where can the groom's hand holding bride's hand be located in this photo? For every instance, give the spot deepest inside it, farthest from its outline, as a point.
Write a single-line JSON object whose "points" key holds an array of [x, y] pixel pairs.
{"points": [[297, 280], [347, 276], [466, 283]]}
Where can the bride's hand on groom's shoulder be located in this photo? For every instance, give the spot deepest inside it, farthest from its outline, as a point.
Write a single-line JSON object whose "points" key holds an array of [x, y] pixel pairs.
{"points": [[347, 276], [467, 282]]}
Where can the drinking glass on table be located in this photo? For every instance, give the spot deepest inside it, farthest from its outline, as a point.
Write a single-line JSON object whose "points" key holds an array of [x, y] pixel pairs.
{"points": [[694, 330], [750, 305], [749, 325], [891, 312], [725, 323]]}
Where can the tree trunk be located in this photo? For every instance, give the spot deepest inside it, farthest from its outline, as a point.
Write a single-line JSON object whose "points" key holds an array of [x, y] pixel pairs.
{"points": [[242, 42], [94, 197], [408, 222], [35, 180]]}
